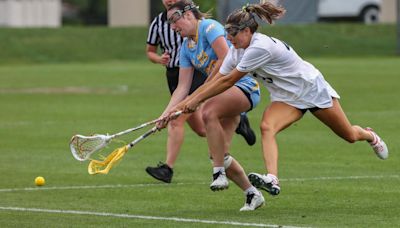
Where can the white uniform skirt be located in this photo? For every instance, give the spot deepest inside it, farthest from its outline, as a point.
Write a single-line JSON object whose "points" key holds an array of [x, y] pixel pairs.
{"points": [[304, 94]]}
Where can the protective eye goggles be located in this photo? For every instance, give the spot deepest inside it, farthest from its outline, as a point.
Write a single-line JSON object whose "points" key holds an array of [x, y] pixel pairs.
{"points": [[179, 13], [233, 30]]}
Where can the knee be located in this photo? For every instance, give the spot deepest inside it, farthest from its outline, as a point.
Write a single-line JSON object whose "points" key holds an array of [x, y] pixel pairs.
{"points": [[175, 124], [200, 132], [199, 129], [267, 128], [208, 116]]}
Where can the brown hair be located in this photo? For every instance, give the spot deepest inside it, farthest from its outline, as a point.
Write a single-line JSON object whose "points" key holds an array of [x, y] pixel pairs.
{"points": [[266, 11], [180, 5]]}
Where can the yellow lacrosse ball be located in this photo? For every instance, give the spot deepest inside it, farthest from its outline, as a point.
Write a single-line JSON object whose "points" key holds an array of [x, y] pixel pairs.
{"points": [[39, 181]]}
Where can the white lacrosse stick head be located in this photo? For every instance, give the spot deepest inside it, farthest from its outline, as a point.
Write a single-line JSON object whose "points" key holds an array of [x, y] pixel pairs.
{"points": [[83, 146]]}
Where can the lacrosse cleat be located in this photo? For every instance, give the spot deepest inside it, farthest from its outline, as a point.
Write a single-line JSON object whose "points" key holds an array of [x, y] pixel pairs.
{"points": [[253, 201], [378, 145], [162, 172], [245, 130], [269, 183], [220, 182]]}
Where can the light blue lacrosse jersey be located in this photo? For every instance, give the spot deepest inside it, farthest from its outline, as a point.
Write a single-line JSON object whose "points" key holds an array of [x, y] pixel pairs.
{"points": [[202, 57]]}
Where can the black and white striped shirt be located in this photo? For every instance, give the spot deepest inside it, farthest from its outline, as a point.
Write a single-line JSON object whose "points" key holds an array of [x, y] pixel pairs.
{"points": [[160, 33]]}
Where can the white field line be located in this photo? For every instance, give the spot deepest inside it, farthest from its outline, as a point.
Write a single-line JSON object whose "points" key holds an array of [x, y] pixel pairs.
{"points": [[197, 183], [145, 217], [89, 187], [175, 219], [341, 178]]}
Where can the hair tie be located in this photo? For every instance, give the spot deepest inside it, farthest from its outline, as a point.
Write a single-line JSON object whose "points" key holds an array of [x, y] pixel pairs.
{"points": [[245, 9]]}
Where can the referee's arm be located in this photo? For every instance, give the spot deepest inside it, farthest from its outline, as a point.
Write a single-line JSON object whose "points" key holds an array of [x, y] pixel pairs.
{"points": [[152, 55]]}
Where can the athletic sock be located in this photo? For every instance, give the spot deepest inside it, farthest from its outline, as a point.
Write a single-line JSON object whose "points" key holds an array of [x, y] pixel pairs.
{"points": [[218, 169], [251, 189]]}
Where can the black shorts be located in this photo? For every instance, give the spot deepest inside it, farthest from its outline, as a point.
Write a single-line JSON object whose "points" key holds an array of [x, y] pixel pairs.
{"points": [[173, 79], [309, 109]]}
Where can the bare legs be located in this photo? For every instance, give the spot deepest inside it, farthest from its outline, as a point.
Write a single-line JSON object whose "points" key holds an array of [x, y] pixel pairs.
{"points": [[279, 116], [335, 119], [221, 117], [276, 117], [176, 130]]}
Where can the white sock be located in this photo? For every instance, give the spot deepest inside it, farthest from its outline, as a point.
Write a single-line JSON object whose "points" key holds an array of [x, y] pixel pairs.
{"points": [[251, 189], [218, 169]]}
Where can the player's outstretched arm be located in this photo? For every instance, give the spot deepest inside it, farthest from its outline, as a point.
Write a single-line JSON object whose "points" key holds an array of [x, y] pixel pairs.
{"points": [[212, 89]]}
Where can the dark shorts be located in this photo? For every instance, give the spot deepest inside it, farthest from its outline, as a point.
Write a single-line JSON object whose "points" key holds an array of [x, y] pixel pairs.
{"points": [[173, 79], [248, 97], [309, 109]]}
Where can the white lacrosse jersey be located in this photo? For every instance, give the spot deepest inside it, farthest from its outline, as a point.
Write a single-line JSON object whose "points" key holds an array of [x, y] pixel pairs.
{"points": [[277, 66]]}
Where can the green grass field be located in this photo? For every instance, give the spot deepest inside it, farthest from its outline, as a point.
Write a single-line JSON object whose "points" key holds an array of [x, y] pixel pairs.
{"points": [[325, 181], [93, 44]]}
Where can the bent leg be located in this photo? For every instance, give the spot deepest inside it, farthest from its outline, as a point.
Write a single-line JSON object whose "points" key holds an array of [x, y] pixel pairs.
{"points": [[223, 107], [221, 116], [229, 125], [336, 119], [235, 172], [277, 116], [196, 123]]}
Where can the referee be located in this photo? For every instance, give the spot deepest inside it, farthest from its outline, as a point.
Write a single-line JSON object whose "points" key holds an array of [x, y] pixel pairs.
{"points": [[161, 35]]}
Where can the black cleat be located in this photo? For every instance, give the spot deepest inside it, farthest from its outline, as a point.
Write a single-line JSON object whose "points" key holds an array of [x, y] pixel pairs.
{"points": [[162, 172], [265, 182], [245, 130]]}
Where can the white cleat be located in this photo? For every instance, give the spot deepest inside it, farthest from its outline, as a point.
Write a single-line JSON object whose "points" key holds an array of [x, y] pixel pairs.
{"points": [[378, 145], [269, 183], [253, 201], [220, 181]]}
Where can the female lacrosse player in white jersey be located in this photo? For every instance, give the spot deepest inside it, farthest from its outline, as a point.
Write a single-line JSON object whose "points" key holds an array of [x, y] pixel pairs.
{"points": [[295, 86]]}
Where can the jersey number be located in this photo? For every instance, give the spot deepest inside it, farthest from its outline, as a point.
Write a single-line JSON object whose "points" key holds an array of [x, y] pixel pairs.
{"points": [[283, 42], [267, 79]]}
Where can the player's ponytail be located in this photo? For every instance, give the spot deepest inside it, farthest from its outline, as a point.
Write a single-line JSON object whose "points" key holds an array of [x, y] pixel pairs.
{"points": [[265, 10]]}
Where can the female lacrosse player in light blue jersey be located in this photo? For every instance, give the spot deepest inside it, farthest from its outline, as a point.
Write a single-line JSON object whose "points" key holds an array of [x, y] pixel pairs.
{"points": [[295, 86], [161, 34], [204, 49]]}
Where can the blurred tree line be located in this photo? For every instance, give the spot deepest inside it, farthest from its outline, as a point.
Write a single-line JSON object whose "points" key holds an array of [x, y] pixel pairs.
{"points": [[84, 12], [94, 12]]}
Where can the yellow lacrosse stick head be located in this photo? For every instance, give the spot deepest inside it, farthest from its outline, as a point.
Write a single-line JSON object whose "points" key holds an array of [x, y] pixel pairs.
{"points": [[104, 166]]}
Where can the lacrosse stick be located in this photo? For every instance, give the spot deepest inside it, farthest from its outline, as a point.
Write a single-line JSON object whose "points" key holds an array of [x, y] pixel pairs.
{"points": [[103, 167], [83, 146]]}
